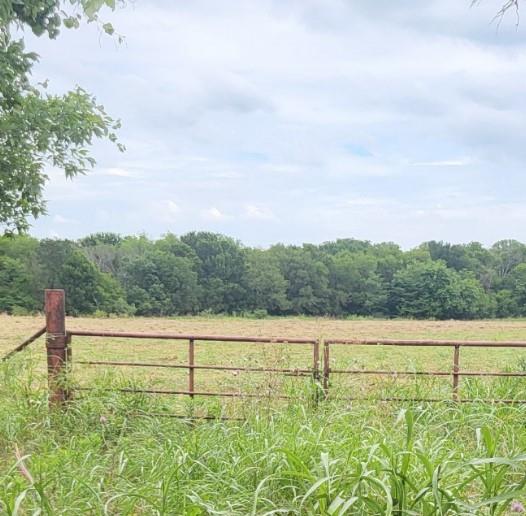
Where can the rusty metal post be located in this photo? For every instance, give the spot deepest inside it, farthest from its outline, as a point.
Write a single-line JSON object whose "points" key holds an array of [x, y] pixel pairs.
{"points": [[316, 369], [326, 368], [456, 358], [56, 346], [191, 363], [69, 357]]}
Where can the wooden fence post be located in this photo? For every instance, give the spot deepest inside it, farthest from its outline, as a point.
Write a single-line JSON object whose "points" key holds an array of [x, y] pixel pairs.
{"points": [[56, 346]]}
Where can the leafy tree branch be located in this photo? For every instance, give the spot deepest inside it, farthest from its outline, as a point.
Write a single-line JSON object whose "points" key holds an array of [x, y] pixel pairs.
{"points": [[39, 129]]}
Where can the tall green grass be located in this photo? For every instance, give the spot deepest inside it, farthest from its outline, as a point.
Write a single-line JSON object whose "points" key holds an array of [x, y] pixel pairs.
{"points": [[103, 455]]}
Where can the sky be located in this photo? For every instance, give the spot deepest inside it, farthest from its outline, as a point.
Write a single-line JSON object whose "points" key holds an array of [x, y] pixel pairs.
{"points": [[299, 121]]}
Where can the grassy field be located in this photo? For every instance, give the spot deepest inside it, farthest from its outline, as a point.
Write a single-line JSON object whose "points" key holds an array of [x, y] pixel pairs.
{"points": [[104, 455]]}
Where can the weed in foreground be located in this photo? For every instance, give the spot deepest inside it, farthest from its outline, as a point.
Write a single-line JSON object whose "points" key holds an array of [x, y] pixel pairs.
{"points": [[104, 455]]}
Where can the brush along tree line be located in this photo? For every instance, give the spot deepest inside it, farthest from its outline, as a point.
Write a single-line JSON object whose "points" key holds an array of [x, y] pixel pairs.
{"points": [[212, 273]]}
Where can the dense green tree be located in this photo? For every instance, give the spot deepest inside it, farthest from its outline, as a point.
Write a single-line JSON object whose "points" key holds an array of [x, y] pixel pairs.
{"points": [[465, 257], [472, 300], [418, 254], [112, 296], [208, 272], [51, 257], [389, 259], [108, 238], [170, 243], [16, 292], [103, 249], [24, 250], [221, 270], [160, 283], [89, 289], [22, 247], [454, 256], [515, 284], [507, 254], [422, 289], [136, 245], [350, 245], [307, 278], [481, 263], [356, 286], [266, 285], [431, 290], [61, 264], [506, 304]]}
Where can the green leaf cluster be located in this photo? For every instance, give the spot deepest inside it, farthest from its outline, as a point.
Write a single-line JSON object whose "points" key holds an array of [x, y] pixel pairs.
{"points": [[39, 130]]}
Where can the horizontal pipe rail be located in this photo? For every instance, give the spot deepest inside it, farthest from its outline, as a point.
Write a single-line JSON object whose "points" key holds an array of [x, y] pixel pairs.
{"points": [[190, 366], [24, 344], [437, 400], [189, 418], [427, 373], [250, 395], [187, 393], [428, 343], [293, 371], [287, 340], [176, 336]]}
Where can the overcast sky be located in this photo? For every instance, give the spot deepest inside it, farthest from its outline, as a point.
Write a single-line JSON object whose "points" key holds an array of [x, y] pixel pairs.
{"points": [[299, 121]]}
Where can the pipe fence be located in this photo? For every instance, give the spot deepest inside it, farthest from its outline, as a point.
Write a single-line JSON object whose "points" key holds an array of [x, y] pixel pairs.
{"points": [[59, 359], [191, 366]]}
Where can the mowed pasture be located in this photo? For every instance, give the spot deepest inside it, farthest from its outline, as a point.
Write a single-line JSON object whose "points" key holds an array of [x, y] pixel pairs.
{"points": [[237, 354]]}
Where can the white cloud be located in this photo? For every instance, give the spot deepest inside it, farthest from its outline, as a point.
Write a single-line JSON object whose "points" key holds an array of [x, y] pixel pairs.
{"points": [[213, 214], [165, 211], [256, 212], [171, 207], [333, 123]]}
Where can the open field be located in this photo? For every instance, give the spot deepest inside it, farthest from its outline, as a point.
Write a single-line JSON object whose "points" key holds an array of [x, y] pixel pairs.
{"points": [[103, 455], [16, 328]]}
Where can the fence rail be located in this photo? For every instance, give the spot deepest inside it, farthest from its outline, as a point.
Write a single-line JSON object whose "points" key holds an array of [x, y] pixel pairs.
{"points": [[177, 336], [456, 373], [23, 345], [59, 358], [191, 366], [429, 343]]}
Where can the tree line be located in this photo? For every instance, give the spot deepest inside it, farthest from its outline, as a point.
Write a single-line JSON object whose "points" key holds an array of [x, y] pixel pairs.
{"points": [[202, 272]]}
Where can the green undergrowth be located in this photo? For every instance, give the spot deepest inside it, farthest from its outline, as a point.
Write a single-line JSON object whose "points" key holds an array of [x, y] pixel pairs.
{"points": [[103, 454]]}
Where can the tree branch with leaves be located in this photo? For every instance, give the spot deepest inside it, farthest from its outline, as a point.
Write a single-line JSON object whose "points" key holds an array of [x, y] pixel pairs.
{"points": [[39, 129]]}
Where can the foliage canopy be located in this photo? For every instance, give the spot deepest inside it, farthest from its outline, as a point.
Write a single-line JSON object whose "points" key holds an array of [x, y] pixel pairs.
{"points": [[212, 273], [39, 129]]}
